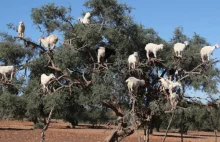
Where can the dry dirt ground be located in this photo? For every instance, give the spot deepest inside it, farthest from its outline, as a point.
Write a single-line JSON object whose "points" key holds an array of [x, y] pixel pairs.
{"points": [[17, 131]]}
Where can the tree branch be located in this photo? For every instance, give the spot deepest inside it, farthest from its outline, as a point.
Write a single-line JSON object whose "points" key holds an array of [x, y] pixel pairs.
{"points": [[47, 125], [28, 42], [116, 109]]}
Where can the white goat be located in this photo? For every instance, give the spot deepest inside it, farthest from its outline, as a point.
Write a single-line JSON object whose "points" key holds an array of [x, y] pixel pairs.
{"points": [[21, 29], [86, 19], [168, 84], [50, 40], [105, 53], [133, 60], [45, 80], [133, 84], [173, 85], [179, 47], [207, 50], [7, 70], [101, 53], [174, 100], [151, 47]]}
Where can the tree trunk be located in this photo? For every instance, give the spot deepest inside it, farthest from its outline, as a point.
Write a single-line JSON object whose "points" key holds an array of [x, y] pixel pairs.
{"points": [[47, 125], [181, 125], [146, 132], [168, 126]]}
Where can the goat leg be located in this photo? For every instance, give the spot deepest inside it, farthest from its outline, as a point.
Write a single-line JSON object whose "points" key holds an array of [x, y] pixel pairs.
{"points": [[12, 74], [5, 77]]}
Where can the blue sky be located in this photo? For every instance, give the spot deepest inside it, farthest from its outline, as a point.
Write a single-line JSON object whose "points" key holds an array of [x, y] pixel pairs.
{"points": [[202, 17], [197, 16]]}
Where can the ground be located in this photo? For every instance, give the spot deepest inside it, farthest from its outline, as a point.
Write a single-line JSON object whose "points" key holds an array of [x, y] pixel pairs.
{"points": [[18, 131]]}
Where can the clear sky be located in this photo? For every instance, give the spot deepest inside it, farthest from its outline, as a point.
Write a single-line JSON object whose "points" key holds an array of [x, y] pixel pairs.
{"points": [[200, 16], [197, 16]]}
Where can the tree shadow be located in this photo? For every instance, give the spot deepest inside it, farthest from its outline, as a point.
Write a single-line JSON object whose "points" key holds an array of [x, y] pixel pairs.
{"points": [[16, 129], [176, 136]]}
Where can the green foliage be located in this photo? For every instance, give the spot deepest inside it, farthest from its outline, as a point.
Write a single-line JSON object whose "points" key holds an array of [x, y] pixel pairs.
{"points": [[111, 26], [12, 53], [12, 106], [52, 17]]}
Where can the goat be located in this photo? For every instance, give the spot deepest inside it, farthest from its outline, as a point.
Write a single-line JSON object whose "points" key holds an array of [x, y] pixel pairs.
{"points": [[151, 47], [133, 60], [7, 70], [133, 84], [167, 84], [174, 100], [21, 29], [50, 40], [104, 53], [179, 47], [45, 80], [86, 19], [164, 83], [207, 50], [173, 85]]}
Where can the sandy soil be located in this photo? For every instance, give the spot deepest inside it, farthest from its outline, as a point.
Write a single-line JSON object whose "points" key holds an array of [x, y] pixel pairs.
{"points": [[18, 131]]}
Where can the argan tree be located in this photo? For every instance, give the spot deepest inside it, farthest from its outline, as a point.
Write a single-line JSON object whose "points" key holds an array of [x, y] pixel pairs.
{"points": [[83, 89]]}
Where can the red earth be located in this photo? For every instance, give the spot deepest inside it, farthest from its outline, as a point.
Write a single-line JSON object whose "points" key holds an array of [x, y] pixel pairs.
{"points": [[18, 131]]}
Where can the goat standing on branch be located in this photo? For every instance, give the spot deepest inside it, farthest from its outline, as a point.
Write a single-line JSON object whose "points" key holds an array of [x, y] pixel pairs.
{"points": [[7, 70], [48, 41], [86, 19], [133, 60], [179, 48], [164, 83], [104, 53], [21, 29], [207, 50], [133, 84], [151, 47], [173, 85], [45, 80], [167, 84], [174, 100]]}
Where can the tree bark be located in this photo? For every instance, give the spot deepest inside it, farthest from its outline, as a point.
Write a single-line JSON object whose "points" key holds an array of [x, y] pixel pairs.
{"points": [[47, 125], [168, 126]]}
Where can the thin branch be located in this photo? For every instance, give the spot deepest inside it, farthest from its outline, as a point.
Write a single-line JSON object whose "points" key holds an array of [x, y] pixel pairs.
{"points": [[55, 68], [28, 42], [113, 107], [87, 82], [47, 125], [168, 126]]}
